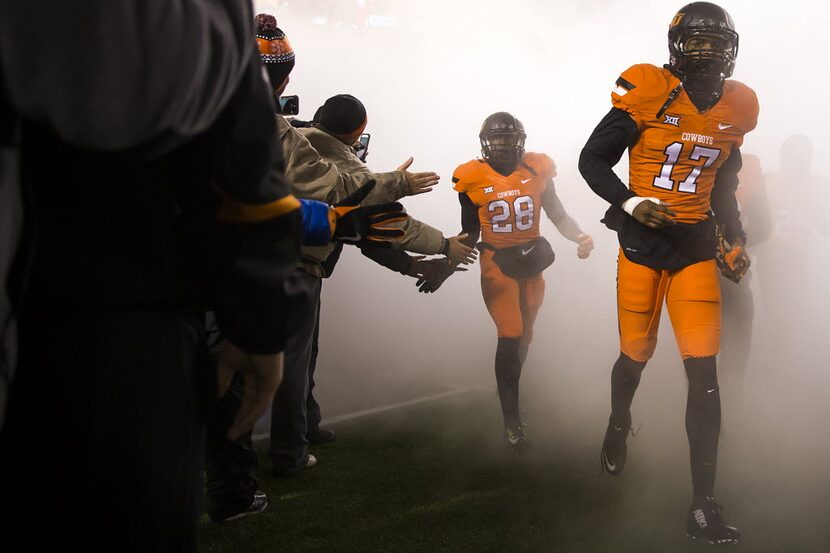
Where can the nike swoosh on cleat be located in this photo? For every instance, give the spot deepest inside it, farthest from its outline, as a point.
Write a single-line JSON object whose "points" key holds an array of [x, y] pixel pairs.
{"points": [[723, 127], [527, 251], [700, 518]]}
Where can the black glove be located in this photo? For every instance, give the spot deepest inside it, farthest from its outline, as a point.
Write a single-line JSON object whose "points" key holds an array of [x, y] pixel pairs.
{"points": [[422, 269], [433, 273], [375, 223]]}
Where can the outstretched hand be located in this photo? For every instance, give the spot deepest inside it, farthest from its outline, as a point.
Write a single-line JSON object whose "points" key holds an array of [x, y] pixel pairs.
{"points": [[434, 273], [458, 252], [419, 183]]}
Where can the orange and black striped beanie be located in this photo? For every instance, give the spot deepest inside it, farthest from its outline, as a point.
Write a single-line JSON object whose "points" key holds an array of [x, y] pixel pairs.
{"points": [[275, 50]]}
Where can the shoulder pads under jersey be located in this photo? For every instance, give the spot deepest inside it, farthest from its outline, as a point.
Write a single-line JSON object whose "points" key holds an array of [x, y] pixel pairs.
{"points": [[542, 164], [642, 89], [743, 103], [467, 175]]}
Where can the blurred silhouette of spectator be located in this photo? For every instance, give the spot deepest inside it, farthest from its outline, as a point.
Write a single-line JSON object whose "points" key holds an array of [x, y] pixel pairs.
{"points": [[738, 305], [792, 259]]}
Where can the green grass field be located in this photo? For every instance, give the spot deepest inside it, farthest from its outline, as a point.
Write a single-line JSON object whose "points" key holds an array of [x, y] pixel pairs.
{"points": [[436, 477]]}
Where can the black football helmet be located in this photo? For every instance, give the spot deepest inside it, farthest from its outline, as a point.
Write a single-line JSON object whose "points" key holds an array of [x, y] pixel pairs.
{"points": [[703, 41], [502, 139]]}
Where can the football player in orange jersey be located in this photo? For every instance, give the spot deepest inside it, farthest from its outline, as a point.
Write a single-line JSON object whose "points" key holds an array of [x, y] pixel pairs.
{"points": [[501, 198], [683, 125]]}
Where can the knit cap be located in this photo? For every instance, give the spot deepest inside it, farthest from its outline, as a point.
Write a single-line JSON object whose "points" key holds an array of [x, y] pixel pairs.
{"points": [[344, 116], [275, 50]]}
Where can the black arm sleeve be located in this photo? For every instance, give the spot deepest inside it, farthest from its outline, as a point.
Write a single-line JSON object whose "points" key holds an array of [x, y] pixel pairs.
{"points": [[724, 203], [616, 132], [469, 219], [395, 260]]}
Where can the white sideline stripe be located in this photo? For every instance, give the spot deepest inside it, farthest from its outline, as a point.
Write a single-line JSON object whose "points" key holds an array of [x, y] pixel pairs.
{"points": [[382, 409]]}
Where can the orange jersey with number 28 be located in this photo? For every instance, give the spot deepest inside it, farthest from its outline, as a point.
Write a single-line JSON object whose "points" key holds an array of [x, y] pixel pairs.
{"points": [[508, 206]]}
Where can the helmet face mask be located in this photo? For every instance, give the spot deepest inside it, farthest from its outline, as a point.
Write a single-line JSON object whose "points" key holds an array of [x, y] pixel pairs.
{"points": [[703, 42], [707, 55], [502, 140]]}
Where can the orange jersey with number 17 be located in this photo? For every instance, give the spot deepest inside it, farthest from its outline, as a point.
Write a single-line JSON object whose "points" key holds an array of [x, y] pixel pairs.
{"points": [[508, 206], [677, 155]]}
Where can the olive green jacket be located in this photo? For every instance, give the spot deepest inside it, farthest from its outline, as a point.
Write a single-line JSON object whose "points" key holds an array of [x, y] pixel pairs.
{"points": [[320, 167]]}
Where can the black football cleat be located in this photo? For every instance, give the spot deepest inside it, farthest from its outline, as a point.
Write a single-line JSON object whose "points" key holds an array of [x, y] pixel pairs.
{"points": [[515, 436], [704, 522], [614, 450]]}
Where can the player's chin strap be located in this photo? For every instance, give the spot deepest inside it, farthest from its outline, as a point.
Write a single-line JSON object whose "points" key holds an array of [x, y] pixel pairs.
{"points": [[672, 96]]}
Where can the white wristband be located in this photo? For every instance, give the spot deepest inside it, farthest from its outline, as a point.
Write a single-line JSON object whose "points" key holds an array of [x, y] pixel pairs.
{"points": [[629, 205]]}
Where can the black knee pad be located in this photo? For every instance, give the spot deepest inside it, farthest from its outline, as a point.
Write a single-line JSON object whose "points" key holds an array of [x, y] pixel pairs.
{"points": [[627, 371], [625, 377], [702, 372], [508, 346]]}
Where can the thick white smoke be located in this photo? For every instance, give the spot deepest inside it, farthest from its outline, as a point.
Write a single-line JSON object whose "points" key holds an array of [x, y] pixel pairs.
{"points": [[428, 81]]}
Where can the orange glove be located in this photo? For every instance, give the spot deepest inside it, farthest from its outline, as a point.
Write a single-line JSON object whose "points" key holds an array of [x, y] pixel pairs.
{"points": [[352, 223], [733, 262]]}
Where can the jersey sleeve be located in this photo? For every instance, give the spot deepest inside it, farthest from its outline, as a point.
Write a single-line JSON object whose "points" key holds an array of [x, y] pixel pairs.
{"points": [[637, 89], [744, 105], [463, 177], [550, 167], [543, 166]]}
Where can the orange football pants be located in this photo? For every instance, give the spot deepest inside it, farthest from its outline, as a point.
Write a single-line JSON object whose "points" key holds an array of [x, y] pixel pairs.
{"points": [[692, 296], [513, 304]]}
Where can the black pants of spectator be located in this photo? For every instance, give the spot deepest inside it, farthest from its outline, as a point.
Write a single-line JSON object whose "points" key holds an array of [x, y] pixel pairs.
{"points": [[231, 465], [312, 408], [102, 447], [294, 410]]}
